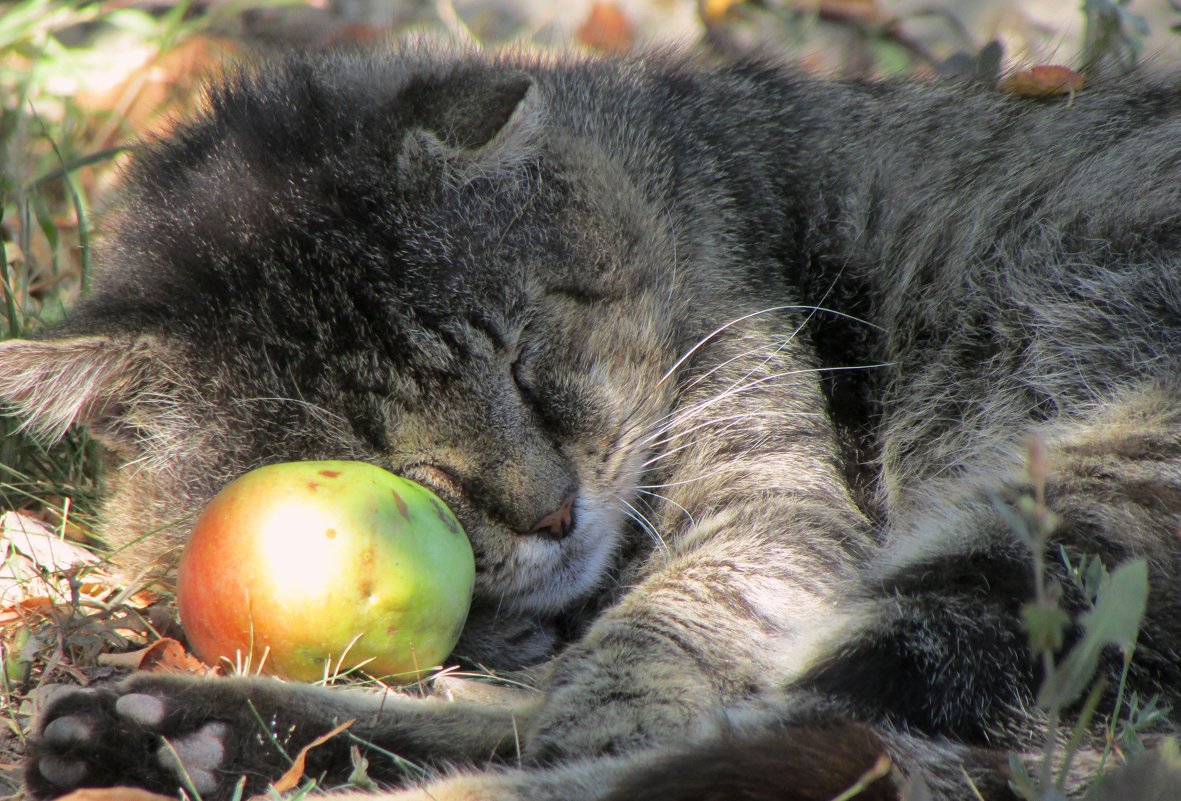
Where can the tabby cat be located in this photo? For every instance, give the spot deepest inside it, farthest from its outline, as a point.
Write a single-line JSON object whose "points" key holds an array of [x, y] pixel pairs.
{"points": [[778, 344]]}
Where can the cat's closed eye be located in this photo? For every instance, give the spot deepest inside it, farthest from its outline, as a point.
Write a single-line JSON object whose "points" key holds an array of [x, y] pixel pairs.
{"points": [[523, 379], [444, 481], [561, 400]]}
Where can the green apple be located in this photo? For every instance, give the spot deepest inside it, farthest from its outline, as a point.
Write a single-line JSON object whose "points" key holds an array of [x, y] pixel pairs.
{"points": [[313, 568]]}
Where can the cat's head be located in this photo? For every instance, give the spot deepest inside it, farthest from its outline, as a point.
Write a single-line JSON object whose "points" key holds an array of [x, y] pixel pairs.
{"points": [[390, 259]]}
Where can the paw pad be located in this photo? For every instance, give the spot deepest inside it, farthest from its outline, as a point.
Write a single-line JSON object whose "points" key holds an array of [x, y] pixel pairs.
{"points": [[68, 731], [195, 756], [62, 771], [146, 710]]}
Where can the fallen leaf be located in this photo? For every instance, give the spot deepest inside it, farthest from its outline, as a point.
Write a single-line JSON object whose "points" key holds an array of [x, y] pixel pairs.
{"points": [[36, 563], [114, 794], [25, 609], [166, 655], [294, 774], [607, 29], [144, 598], [865, 10], [144, 81], [714, 10], [1044, 81], [40, 543], [95, 589]]}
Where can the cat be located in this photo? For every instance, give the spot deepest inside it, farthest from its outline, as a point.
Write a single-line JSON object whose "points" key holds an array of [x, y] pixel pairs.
{"points": [[781, 344]]}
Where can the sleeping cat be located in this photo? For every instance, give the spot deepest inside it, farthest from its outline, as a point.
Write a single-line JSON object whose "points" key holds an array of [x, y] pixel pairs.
{"points": [[779, 344]]}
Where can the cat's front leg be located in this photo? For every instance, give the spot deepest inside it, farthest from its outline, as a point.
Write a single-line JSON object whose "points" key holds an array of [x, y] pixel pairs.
{"points": [[692, 643], [165, 733], [162, 733]]}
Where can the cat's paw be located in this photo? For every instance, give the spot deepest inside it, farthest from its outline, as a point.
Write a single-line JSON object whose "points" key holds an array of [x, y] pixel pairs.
{"points": [[159, 733]]}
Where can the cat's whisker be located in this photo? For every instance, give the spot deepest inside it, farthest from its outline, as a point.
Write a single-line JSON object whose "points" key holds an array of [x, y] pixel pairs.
{"points": [[693, 479], [726, 467], [760, 350], [665, 454], [789, 307], [730, 421], [654, 429], [679, 417], [644, 523], [643, 404], [766, 359], [668, 500], [726, 393]]}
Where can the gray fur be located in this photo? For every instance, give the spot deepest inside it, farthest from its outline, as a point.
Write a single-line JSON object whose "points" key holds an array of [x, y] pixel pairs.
{"points": [[785, 338]]}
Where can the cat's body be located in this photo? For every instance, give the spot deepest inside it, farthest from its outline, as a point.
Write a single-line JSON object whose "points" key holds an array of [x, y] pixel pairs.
{"points": [[804, 330]]}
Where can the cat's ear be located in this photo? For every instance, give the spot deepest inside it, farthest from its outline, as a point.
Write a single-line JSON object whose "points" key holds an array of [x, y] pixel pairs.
{"points": [[474, 117], [54, 384]]}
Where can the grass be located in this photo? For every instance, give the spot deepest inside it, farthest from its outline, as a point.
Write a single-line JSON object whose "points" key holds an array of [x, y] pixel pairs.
{"points": [[56, 140]]}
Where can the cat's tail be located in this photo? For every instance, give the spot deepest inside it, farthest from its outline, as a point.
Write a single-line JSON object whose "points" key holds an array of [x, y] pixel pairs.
{"points": [[853, 761]]}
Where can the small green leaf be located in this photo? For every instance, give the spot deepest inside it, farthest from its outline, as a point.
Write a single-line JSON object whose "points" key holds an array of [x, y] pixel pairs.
{"points": [[1046, 626], [17, 661], [1095, 578], [359, 777], [1120, 605], [1114, 620], [133, 21], [1022, 784]]}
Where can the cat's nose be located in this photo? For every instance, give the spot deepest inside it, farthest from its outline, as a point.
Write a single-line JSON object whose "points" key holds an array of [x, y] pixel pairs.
{"points": [[558, 523]]}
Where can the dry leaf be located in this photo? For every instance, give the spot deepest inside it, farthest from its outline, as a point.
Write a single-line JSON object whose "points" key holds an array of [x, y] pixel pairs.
{"points": [[114, 794], [34, 562], [714, 10], [25, 609], [1044, 81], [143, 81], [95, 589], [39, 542], [55, 513], [839, 10], [606, 29], [866, 10], [144, 598], [166, 655], [294, 774]]}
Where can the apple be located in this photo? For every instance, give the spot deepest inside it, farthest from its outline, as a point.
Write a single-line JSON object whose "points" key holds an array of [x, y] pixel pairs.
{"points": [[313, 568]]}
